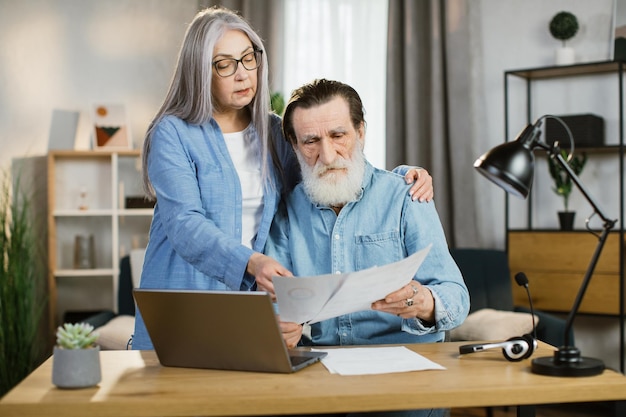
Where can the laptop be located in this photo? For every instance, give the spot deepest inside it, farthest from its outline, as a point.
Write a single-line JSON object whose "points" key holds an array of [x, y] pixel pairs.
{"points": [[229, 330]]}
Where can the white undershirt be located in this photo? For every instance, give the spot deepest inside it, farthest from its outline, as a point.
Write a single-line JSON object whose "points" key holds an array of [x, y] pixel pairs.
{"points": [[247, 161]]}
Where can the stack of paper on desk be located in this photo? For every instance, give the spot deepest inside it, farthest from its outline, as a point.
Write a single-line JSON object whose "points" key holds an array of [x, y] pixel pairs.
{"points": [[317, 298]]}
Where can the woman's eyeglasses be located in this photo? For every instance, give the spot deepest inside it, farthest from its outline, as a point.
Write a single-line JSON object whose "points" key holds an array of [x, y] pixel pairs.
{"points": [[228, 66]]}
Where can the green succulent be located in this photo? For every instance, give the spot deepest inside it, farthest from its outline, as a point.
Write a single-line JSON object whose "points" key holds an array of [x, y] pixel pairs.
{"points": [[563, 26], [76, 336], [563, 182]]}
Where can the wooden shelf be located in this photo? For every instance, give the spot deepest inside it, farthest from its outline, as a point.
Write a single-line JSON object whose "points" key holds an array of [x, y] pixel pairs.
{"points": [[105, 153], [136, 212], [99, 272], [82, 213], [591, 68]]}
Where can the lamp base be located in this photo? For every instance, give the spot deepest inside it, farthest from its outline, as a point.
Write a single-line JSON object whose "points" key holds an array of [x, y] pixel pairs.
{"points": [[567, 361]]}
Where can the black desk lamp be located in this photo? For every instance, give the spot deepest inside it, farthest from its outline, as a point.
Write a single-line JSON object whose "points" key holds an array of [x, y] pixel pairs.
{"points": [[511, 166]]}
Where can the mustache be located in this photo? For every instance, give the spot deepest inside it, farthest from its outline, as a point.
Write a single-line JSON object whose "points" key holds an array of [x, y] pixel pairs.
{"points": [[339, 163]]}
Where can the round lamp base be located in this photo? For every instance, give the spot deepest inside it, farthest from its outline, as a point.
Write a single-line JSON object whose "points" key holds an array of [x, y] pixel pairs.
{"points": [[581, 367]]}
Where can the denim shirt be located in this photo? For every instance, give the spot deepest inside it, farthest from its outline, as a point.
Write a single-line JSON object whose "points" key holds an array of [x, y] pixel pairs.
{"points": [[195, 235], [381, 227]]}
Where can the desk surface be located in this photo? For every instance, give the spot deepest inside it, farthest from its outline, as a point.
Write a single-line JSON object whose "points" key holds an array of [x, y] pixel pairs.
{"points": [[135, 384]]}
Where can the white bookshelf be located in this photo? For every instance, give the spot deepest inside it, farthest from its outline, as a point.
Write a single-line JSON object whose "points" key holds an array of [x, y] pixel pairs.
{"points": [[87, 191]]}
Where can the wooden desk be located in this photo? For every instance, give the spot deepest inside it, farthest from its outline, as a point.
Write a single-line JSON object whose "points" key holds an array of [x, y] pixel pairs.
{"points": [[134, 384]]}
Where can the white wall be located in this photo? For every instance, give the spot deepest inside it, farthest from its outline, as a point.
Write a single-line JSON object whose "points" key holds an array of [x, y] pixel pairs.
{"points": [[67, 54]]}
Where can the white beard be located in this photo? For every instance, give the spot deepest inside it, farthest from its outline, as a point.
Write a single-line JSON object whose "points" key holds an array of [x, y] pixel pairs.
{"points": [[334, 189]]}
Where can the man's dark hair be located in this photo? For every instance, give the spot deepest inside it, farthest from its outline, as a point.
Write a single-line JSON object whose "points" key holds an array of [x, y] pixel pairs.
{"points": [[319, 92]]}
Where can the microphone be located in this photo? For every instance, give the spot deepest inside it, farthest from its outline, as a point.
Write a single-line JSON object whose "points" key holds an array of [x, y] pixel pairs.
{"points": [[516, 348], [522, 281]]}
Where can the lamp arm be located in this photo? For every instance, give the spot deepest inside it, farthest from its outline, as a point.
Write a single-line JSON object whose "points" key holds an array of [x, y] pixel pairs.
{"points": [[608, 225], [583, 287]]}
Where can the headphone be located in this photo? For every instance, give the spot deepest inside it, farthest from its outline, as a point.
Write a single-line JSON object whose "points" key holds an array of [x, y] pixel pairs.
{"points": [[514, 349]]}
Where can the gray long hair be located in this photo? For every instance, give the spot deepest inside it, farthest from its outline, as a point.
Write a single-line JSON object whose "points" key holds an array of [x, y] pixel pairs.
{"points": [[189, 95]]}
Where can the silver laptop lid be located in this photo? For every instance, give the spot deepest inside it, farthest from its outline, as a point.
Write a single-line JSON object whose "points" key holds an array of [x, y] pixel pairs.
{"points": [[215, 329]]}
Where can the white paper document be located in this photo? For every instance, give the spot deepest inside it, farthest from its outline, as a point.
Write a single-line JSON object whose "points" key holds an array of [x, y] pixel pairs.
{"points": [[375, 360], [317, 298]]}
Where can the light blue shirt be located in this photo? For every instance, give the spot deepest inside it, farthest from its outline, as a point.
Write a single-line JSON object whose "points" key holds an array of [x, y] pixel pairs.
{"points": [[381, 227], [195, 235]]}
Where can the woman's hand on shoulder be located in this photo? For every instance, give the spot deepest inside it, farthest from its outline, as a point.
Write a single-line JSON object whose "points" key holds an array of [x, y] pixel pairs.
{"points": [[422, 188]]}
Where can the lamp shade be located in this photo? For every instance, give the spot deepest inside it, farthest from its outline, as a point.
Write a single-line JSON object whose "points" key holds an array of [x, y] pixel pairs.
{"points": [[510, 165]]}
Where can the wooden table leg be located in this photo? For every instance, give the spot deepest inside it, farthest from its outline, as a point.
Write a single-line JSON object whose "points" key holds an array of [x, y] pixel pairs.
{"points": [[525, 411]]}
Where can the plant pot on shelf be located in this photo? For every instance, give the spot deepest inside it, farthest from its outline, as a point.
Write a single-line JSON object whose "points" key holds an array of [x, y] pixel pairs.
{"points": [[76, 368], [564, 26], [565, 56], [566, 219]]}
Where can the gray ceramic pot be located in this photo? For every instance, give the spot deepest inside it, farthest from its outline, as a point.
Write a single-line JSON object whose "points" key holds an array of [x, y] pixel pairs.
{"points": [[76, 368]]}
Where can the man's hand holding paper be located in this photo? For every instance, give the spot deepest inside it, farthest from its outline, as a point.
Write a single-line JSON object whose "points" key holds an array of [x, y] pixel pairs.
{"points": [[313, 299], [412, 300]]}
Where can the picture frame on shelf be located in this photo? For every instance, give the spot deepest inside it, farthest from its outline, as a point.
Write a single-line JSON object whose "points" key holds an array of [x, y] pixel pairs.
{"points": [[63, 128], [110, 126]]}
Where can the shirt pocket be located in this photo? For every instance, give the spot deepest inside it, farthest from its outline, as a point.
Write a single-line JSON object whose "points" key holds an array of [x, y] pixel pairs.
{"points": [[377, 249], [212, 184]]}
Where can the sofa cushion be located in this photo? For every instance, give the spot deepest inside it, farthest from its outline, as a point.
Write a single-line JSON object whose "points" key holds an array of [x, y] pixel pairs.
{"points": [[116, 333], [489, 324]]}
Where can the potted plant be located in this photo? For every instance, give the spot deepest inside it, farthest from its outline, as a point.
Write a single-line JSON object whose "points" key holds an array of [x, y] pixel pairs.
{"points": [[22, 283], [564, 26], [76, 357], [563, 184]]}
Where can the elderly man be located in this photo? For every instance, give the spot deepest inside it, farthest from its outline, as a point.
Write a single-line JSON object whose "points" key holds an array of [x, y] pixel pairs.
{"points": [[346, 216]]}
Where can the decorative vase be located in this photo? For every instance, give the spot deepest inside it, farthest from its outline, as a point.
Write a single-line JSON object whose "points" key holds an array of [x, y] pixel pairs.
{"points": [[566, 219], [565, 56], [76, 368], [84, 252]]}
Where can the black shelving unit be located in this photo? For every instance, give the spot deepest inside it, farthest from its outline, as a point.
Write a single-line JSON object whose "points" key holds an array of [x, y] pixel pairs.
{"points": [[529, 75]]}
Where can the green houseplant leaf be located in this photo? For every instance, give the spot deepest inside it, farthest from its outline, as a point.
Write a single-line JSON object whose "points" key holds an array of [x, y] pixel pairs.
{"points": [[277, 103], [22, 284], [562, 182]]}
